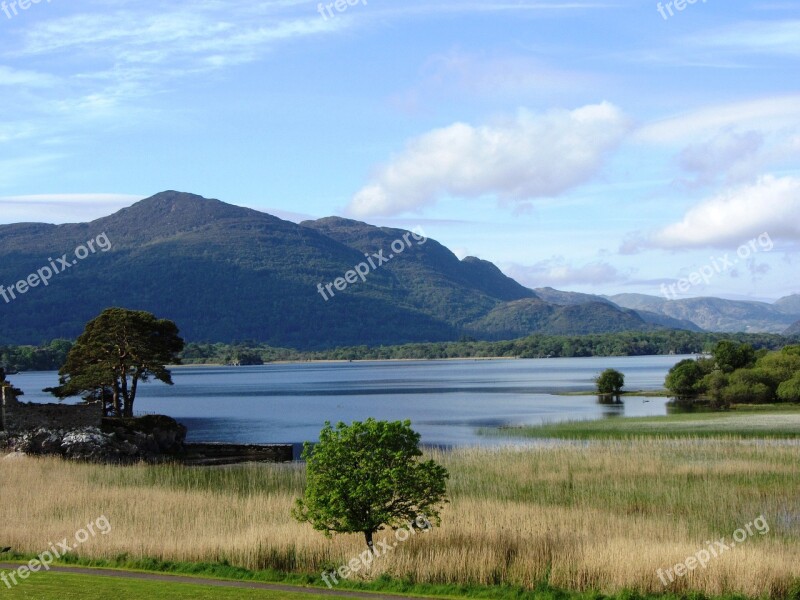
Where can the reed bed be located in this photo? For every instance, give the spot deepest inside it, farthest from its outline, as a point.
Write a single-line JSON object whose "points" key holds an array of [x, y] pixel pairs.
{"points": [[602, 516]]}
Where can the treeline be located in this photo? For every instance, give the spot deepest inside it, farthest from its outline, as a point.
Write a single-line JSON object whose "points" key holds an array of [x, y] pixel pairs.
{"points": [[51, 356], [48, 357], [736, 373], [535, 346]]}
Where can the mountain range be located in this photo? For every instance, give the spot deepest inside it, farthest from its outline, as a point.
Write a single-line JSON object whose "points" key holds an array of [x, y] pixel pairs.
{"points": [[231, 274]]}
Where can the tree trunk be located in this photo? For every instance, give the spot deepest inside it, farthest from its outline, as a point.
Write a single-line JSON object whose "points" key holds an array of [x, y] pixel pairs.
{"points": [[132, 396], [116, 399], [123, 379], [368, 537]]}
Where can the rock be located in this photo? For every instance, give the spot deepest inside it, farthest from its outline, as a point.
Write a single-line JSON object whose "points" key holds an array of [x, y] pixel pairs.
{"points": [[120, 441]]}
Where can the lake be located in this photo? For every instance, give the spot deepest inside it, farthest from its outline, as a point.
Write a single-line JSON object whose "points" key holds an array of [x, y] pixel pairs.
{"points": [[448, 401]]}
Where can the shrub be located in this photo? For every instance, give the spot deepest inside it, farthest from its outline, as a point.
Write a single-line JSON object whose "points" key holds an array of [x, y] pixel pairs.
{"points": [[610, 381]]}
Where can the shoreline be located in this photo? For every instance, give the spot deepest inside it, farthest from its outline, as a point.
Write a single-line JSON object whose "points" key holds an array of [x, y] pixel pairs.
{"points": [[370, 360]]}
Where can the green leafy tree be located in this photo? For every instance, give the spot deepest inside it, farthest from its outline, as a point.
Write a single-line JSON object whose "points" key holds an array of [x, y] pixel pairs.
{"points": [[781, 365], [789, 390], [684, 380], [610, 381], [116, 351], [743, 392], [730, 356], [714, 384], [367, 476], [761, 382]]}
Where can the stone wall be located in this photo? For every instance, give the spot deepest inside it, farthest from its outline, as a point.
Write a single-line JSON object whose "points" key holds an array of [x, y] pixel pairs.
{"points": [[16, 416]]}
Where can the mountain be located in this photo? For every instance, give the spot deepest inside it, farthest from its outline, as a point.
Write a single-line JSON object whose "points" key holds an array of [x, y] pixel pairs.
{"points": [[650, 317], [714, 314], [222, 272], [549, 294], [521, 317], [788, 304], [793, 329], [434, 280], [226, 273]]}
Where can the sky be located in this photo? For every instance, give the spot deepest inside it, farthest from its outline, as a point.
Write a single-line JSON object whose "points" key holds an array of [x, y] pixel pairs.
{"points": [[599, 147]]}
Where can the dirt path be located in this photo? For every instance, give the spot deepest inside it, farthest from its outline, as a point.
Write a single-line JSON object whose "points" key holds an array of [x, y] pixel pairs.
{"points": [[251, 585]]}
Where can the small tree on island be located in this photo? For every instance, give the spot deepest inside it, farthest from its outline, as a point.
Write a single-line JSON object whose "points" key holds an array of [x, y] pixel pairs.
{"points": [[366, 476], [116, 351], [609, 382]]}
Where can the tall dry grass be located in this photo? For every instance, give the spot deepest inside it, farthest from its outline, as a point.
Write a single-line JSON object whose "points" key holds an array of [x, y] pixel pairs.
{"points": [[603, 516]]}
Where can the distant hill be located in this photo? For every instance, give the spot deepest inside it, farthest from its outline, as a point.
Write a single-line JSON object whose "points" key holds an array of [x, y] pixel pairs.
{"points": [[549, 294], [788, 304], [231, 274], [714, 314], [516, 319], [793, 329], [650, 317]]}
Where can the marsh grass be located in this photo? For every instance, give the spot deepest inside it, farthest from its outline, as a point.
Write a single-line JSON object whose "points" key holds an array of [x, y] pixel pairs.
{"points": [[602, 516], [747, 422]]}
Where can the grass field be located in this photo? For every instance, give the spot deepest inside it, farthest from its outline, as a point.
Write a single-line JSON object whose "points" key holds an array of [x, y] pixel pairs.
{"points": [[603, 516], [746, 422], [59, 586]]}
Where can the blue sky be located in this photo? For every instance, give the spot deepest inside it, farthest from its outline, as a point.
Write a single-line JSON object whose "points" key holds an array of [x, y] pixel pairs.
{"points": [[589, 146]]}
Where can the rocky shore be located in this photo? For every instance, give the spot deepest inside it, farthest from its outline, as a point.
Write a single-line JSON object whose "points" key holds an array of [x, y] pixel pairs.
{"points": [[149, 439]]}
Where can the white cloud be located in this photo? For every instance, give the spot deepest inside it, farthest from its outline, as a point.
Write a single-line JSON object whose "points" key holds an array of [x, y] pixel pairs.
{"points": [[426, 7], [558, 272], [733, 217], [62, 208], [527, 156], [776, 38], [731, 153], [455, 73], [18, 77], [772, 114]]}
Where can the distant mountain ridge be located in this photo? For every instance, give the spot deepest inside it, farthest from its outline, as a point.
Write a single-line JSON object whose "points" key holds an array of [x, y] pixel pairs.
{"points": [[648, 316], [718, 314], [231, 274], [793, 329]]}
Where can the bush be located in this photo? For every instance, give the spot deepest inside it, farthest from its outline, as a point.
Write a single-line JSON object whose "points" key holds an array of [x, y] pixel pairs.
{"points": [[610, 381], [730, 356], [685, 380], [714, 384], [780, 365], [747, 393], [789, 390]]}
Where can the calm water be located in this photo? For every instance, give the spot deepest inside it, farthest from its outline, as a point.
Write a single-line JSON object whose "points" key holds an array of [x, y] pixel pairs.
{"points": [[447, 401]]}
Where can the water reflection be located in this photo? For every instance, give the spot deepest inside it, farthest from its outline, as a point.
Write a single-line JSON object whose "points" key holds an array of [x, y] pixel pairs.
{"points": [[447, 401]]}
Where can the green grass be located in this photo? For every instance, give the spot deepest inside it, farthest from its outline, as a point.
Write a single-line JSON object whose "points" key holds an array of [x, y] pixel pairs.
{"points": [[754, 421], [639, 393], [66, 586]]}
